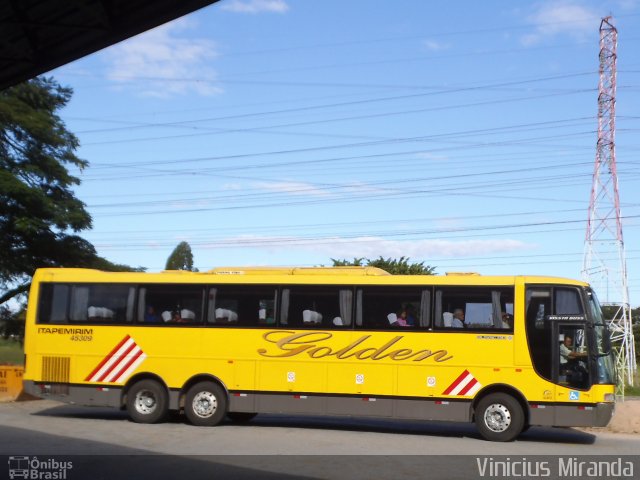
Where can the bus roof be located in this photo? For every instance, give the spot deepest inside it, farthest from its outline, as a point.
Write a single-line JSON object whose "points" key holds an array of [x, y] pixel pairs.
{"points": [[301, 275], [358, 271]]}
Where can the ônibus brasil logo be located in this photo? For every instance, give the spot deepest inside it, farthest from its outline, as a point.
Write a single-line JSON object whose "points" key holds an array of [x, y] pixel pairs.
{"points": [[38, 469]]}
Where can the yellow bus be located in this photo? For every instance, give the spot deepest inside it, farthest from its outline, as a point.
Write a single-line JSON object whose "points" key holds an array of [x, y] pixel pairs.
{"points": [[505, 352]]}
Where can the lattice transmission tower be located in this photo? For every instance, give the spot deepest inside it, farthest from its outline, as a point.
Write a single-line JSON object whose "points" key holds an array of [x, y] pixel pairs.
{"points": [[605, 265]]}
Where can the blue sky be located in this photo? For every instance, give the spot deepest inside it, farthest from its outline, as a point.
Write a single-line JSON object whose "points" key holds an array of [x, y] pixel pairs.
{"points": [[290, 132]]}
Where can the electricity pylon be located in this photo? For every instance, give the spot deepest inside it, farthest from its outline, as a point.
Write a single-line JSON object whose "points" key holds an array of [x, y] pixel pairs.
{"points": [[605, 265]]}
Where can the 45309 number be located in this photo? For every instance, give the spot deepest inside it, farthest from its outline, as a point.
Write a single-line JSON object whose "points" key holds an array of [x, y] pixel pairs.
{"points": [[81, 338]]}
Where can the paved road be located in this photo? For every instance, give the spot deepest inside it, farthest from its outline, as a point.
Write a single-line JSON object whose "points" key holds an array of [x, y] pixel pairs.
{"points": [[273, 446]]}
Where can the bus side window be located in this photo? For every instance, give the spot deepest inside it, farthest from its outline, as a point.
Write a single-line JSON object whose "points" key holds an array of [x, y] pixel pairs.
{"points": [[474, 308], [316, 307], [170, 304], [102, 303], [249, 305], [54, 299], [393, 307]]}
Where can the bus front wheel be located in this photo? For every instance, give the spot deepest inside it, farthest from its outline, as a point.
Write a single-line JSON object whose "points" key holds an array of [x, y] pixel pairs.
{"points": [[147, 402], [205, 404], [499, 417]]}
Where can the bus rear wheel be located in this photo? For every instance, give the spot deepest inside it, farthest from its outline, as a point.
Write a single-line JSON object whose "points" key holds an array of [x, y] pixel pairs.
{"points": [[205, 404], [147, 402], [499, 417]]}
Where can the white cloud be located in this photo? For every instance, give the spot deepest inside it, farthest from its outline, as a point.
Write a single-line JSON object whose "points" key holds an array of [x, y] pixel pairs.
{"points": [[233, 186], [564, 17], [372, 247], [161, 63], [313, 190], [627, 5], [255, 6], [361, 188], [435, 46], [295, 188]]}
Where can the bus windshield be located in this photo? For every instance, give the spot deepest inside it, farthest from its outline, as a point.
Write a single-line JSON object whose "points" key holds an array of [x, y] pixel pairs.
{"points": [[606, 365]]}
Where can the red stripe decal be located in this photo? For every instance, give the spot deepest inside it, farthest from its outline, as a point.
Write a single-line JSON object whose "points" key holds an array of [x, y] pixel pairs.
{"points": [[127, 365], [106, 359], [116, 363], [456, 382], [468, 387]]}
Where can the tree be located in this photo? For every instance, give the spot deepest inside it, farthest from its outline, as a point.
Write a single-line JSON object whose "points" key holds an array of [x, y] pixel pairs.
{"points": [[400, 266], [39, 213], [181, 258], [12, 323]]}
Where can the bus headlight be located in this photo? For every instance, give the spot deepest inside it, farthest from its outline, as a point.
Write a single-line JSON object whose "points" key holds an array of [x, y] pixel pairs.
{"points": [[609, 397]]}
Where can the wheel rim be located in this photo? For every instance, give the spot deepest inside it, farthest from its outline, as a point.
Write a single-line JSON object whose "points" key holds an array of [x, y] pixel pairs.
{"points": [[204, 404], [497, 417], [146, 402]]}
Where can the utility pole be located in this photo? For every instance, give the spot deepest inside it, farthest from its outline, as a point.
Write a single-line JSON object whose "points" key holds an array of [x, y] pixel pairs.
{"points": [[605, 265]]}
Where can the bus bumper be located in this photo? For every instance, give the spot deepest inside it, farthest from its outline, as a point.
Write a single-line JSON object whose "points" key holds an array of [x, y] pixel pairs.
{"points": [[75, 394], [572, 415], [28, 386], [604, 413], [594, 415]]}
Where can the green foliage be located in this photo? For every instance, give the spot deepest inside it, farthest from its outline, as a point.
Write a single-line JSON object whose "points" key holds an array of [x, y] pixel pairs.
{"points": [[396, 266], [11, 352], [11, 323], [39, 213], [356, 262], [181, 258], [609, 311]]}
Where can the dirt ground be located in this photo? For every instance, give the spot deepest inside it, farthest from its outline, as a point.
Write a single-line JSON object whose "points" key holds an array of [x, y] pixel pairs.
{"points": [[626, 418]]}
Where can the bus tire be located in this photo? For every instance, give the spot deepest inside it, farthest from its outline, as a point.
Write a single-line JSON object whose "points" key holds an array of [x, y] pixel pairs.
{"points": [[205, 404], [147, 402], [241, 417], [499, 417]]}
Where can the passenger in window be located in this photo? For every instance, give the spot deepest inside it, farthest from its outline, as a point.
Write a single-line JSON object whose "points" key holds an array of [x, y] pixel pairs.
{"points": [[408, 315], [398, 319], [507, 321], [151, 316], [394, 321], [403, 318], [176, 318], [458, 318]]}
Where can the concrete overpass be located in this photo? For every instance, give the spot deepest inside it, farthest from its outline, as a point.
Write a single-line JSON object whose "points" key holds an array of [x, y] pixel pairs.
{"points": [[37, 36]]}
